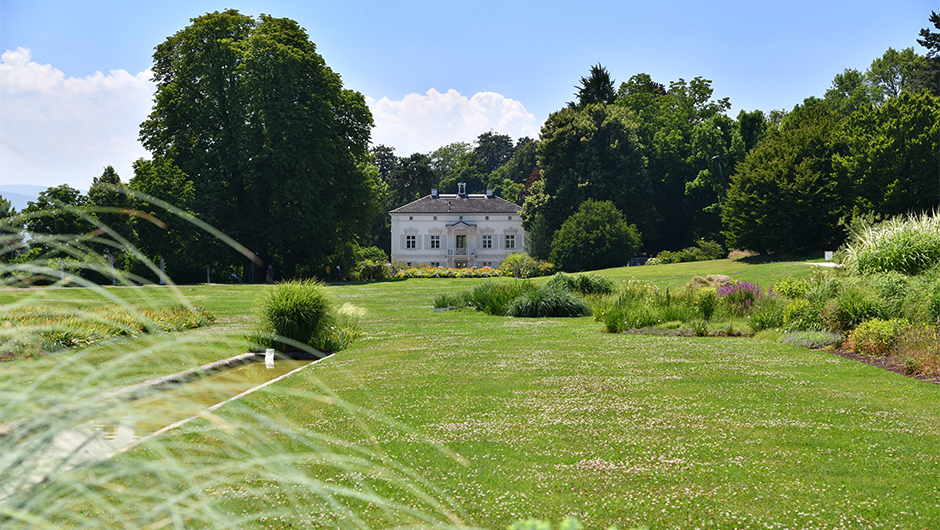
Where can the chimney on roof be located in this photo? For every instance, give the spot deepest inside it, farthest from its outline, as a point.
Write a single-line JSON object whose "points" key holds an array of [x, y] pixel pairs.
{"points": [[434, 194], [462, 189], [489, 193]]}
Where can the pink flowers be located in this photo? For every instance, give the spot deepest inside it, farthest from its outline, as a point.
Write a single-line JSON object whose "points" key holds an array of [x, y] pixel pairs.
{"points": [[740, 296]]}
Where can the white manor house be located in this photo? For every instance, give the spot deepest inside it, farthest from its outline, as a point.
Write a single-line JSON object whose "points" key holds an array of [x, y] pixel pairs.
{"points": [[456, 231]]}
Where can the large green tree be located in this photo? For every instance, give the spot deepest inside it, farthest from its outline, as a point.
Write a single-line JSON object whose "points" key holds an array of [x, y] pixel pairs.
{"points": [[595, 237], [412, 178], [271, 140], [163, 232], [597, 87], [593, 153], [667, 120], [785, 196], [892, 155], [59, 213], [111, 206]]}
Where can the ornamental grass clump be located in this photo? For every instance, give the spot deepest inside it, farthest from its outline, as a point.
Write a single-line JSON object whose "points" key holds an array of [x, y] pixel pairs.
{"points": [[548, 302], [906, 244], [493, 297], [583, 283], [295, 315]]}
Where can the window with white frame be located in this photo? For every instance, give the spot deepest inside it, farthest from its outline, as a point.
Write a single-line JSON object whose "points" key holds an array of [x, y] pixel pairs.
{"points": [[410, 242], [510, 241], [435, 241], [487, 241], [435, 263]]}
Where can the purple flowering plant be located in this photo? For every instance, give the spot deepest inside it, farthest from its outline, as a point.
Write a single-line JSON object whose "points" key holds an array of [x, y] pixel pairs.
{"points": [[740, 297]]}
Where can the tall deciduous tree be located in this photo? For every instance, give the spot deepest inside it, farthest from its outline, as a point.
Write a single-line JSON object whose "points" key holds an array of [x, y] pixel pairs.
{"points": [[162, 233], [57, 212], [892, 155], [666, 119], [784, 196], [593, 153], [895, 72], [271, 140], [112, 205]]}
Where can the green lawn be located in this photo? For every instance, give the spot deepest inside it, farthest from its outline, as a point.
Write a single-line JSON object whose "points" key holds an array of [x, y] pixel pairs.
{"points": [[460, 416]]}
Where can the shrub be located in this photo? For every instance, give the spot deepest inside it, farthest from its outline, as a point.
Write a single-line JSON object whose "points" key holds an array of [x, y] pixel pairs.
{"points": [[767, 313], [918, 349], [494, 297], [909, 245], [793, 287], [631, 315], [521, 265], [739, 297], [548, 302], [294, 314], [597, 236], [877, 337], [707, 301], [712, 280], [813, 340], [455, 300], [584, 283], [803, 315], [854, 304]]}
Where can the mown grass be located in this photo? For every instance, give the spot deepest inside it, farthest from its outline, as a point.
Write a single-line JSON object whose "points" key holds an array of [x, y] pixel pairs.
{"points": [[509, 418]]}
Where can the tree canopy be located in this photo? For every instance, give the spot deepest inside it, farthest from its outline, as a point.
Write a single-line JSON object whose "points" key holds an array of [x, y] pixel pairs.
{"points": [[267, 134], [595, 237]]}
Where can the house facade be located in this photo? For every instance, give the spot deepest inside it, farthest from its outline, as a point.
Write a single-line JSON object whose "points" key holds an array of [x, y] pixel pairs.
{"points": [[457, 230]]}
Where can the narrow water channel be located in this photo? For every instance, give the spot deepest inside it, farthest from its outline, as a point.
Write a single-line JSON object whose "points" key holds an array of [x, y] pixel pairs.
{"points": [[106, 436]]}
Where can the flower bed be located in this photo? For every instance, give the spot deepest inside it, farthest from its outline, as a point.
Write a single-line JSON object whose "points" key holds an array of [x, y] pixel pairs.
{"points": [[445, 272]]}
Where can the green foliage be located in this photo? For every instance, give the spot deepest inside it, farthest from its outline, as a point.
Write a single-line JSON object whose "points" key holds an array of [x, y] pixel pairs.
{"points": [[876, 336], [455, 300], [792, 288], [274, 145], [918, 349], [703, 251], [595, 237], [295, 315], [585, 283], [548, 302], [814, 340], [891, 160], [592, 153], [768, 313], [785, 197], [30, 330], [707, 301], [854, 304], [494, 297], [906, 244], [521, 265]]}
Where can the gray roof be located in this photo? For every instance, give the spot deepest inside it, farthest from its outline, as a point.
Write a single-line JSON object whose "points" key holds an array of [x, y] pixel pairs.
{"points": [[458, 204]]}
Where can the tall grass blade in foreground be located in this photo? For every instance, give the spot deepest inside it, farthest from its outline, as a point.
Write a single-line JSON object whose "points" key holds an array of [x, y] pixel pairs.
{"points": [[64, 420]]}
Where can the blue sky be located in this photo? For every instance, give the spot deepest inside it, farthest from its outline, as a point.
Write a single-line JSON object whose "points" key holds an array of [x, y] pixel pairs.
{"points": [[74, 83]]}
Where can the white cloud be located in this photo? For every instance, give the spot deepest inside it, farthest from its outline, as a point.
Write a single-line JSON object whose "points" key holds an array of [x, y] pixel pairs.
{"points": [[56, 129], [422, 123]]}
